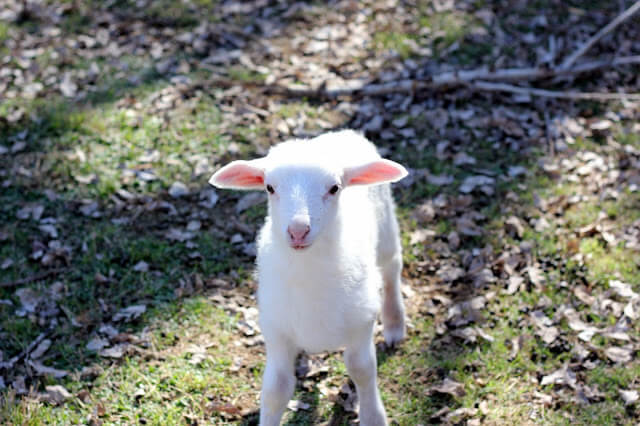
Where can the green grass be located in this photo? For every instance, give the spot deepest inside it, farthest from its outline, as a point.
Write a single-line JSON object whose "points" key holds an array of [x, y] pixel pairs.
{"points": [[396, 41], [116, 140]]}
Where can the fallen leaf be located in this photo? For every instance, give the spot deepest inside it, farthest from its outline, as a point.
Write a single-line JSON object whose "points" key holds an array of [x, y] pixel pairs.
{"points": [[463, 158], [176, 234], [623, 289], [466, 226], [295, 405], [141, 266], [28, 298], [43, 370], [347, 398], [114, 352], [454, 240], [535, 275], [544, 326], [451, 387], [57, 394], [543, 398], [582, 294], [456, 416], [49, 229], [178, 189], [97, 343], [208, 198], [563, 376], [619, 354], [628, 396], [84, 396], [515, 171], [450, 273], [67, 86], [514, 226], [514, 284], [439, 180], [91, 210], [472, 182], [425, 212], [421, 235], [129, 313], [198, 354], [194, 225]]}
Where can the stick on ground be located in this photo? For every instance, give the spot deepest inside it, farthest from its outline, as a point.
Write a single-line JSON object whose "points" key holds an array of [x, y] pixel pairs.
{"points": [[452, 79], [531, 91], [32, 278], [568, 62]]}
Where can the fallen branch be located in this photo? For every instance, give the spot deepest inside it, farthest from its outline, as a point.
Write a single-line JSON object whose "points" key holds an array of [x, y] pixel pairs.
{"points": [[451, 79], [7, 365], [568, 62], [531, 91], [32, 278]]}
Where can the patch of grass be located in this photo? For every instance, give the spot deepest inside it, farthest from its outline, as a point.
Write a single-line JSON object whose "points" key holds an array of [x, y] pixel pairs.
{"points": [[4, 32], [605, 263], [451, 26], [396, 41], [161, 390], [243, 74]]}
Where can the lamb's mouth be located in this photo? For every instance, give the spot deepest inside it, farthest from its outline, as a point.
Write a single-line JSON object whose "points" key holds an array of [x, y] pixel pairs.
{"points": [[300, 246]]}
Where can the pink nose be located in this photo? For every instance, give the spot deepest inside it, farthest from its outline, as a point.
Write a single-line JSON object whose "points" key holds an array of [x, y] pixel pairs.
{"points": [[298, 229]]}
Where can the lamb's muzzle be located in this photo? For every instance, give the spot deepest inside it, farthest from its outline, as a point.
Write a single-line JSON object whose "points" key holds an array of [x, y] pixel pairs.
{"points": [[298, 230]]}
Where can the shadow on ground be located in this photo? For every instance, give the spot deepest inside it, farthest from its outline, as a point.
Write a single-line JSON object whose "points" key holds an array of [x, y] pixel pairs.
{"points": [[120, 238]]}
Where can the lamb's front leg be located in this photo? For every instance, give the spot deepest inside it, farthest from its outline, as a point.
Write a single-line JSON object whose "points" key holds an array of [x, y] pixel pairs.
{"points": [[278, 381], [360, 359]]}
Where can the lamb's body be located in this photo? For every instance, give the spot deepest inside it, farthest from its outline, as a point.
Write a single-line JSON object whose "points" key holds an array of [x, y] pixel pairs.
{"points": [[327, 248], [318, 297]]}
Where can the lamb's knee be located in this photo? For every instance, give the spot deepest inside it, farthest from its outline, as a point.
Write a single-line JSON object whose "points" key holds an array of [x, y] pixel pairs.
{"points": [[361, 366], [277, 386]]}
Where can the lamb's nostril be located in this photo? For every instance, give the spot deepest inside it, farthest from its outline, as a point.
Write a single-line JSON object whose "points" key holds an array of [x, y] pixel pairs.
{"points": [[298, 231]]}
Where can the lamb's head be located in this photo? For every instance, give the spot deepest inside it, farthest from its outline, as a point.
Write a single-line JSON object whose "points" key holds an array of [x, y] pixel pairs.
{"points": [[304, 186]]}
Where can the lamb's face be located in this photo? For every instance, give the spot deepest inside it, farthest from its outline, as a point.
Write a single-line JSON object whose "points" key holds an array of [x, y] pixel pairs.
{"points": [[302, 201], [305, 179]]}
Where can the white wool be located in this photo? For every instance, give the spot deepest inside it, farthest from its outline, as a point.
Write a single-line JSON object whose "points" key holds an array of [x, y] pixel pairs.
{"points": [[326, 296]]}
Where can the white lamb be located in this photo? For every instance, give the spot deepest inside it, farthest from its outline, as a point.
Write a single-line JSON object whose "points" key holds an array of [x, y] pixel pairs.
{"points": [[328, 245]]}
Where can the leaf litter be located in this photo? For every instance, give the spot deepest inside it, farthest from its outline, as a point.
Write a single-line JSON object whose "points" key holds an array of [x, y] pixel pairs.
{"points": [[459, 283]]}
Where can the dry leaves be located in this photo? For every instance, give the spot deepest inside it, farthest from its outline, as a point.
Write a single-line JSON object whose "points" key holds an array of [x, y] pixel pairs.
{"points": [[450, 387]]}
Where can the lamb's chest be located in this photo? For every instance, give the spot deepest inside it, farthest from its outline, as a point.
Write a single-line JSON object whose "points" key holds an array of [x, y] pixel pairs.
{"points": [[318, 313]]}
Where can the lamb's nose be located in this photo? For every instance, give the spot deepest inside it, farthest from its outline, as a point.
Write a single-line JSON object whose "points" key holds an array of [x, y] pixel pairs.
{"points": [[298, 229]]}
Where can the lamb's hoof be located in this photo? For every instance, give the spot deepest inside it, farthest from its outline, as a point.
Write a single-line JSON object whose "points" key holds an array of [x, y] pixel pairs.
{"points": [[394, 335]]}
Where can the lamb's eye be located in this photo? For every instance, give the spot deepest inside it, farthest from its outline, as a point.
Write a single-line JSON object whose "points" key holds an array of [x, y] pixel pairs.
{"points": [[270, 189], [334, 189]]}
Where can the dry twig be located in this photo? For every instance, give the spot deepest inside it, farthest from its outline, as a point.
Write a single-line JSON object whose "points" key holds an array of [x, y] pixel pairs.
{"points": [[531, 91], [568, 62], [456, 78], [32, 278], [11, 362]]}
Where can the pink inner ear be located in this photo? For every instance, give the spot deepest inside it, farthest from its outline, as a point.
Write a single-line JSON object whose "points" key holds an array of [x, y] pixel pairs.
{"points": [[378, 171], [239, 175], [249, 180]]}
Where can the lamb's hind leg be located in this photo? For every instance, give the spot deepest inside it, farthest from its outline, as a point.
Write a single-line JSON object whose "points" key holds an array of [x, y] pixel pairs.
{"points": [[393, 318]]}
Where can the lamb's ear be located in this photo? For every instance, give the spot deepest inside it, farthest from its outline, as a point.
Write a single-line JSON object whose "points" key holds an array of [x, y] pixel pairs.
{"points": [[374, 172], [239, 175]]}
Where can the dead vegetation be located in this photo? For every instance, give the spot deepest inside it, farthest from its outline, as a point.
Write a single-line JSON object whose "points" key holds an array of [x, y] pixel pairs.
{"points": [[126, 291]]}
